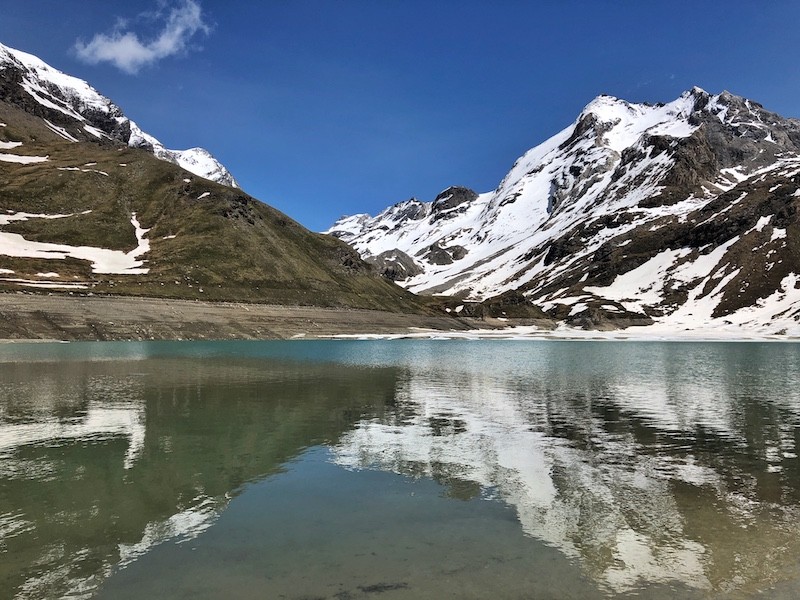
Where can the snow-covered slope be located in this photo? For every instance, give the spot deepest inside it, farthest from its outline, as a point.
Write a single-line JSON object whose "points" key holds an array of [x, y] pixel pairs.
{"points": [[75, 111], [684, 211]]}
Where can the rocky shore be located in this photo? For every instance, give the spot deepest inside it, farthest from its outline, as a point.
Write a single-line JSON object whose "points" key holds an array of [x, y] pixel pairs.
{"points": [[71, 318]]}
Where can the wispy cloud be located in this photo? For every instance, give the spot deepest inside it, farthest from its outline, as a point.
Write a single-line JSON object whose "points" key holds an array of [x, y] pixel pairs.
{"points": [[125, 50]]}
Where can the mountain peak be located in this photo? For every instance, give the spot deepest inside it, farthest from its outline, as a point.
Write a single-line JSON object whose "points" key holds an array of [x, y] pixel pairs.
{"points": [[697, 91], [618, 124], [607, 108], [604, 105]]}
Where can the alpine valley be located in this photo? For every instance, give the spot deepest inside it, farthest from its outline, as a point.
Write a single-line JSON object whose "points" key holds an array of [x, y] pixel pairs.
{"points": [[681, 215], [92, 205]]}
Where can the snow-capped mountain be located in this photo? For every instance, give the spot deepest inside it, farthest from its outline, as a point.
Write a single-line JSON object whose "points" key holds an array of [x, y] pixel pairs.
{"points": [[685, 212], [74, 110]]}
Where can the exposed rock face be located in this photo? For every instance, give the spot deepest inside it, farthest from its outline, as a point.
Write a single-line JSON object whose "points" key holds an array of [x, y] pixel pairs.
{"points": [[451, 202], [395, 265], [436, 255], [77, 112], [683, 212]]}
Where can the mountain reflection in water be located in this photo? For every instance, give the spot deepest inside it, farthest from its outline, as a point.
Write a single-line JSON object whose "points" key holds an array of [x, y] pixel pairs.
{"points": [[102, 460], [645, 464]]}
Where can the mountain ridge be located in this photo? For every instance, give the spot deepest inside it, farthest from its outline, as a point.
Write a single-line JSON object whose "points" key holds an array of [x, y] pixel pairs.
{"points": [[74, 110]]}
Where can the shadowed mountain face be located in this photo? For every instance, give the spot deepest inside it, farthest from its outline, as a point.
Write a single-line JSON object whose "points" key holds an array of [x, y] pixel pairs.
{"points": [[87, 205], [684, 213]]}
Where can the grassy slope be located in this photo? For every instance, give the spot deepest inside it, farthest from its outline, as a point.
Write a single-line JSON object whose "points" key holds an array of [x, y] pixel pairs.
{"points": [[228, 244]]}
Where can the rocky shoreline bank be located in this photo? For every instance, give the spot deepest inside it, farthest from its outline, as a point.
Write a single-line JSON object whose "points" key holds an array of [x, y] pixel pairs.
{"points": [[97, 318]]}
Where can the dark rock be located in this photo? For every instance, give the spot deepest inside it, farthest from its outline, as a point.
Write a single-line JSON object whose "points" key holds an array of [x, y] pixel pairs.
{"points": [[452, 197], [512, 304], [563, 247], [457, 252], [395, 265], [452, 201], [411, 209], [436, 255]]}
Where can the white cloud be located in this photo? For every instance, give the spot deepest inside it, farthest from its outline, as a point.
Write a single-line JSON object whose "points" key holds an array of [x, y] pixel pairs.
{"points": [[126, 51]]}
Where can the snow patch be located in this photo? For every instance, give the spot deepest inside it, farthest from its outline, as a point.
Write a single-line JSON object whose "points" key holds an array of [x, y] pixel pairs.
{"points": [[47, 285], [83, 170], [762, 222], [644, 285], [103, 260], [60, 131], [22, 160], [703, 265], [577, 309], [777, 234], [735, 173], [98, 133]]}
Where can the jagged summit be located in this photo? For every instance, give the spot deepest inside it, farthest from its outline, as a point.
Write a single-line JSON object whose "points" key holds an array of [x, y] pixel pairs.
{"points": [[75, 111], [684, 210]]}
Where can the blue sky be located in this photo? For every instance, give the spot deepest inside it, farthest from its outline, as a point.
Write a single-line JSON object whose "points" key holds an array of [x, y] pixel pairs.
{"points": [[325, 108]]}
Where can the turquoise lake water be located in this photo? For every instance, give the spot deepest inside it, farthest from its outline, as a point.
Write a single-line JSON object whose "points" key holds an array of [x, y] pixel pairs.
{"points": [[400, 469]]}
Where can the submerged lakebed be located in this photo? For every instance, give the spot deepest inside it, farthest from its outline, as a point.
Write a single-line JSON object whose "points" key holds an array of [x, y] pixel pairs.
{"points": [[400, 469]]}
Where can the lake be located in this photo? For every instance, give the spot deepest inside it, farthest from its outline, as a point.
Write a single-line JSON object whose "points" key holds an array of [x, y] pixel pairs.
{"points": [[400, 469]]}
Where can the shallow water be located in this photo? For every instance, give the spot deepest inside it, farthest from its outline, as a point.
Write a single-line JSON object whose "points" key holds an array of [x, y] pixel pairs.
{"points": [[400, 469]]}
